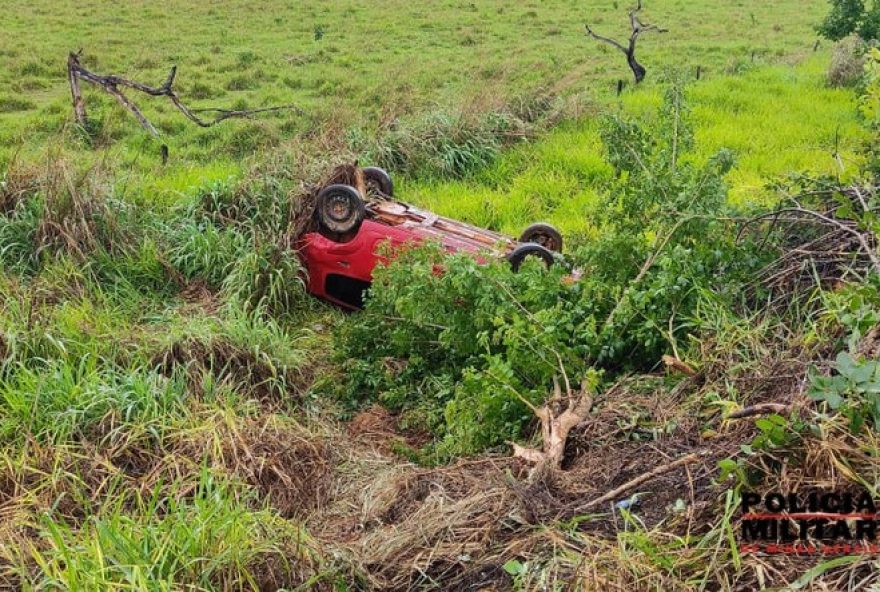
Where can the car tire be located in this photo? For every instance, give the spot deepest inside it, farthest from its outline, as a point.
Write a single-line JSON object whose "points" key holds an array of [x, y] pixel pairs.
{"points": [[519, 254], [379, 180], [543, 234], [340, 210]]}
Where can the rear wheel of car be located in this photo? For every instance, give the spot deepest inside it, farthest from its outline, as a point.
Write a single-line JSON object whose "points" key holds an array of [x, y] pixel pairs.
{"points": [[520, 253], [379, 180], [544, 235], [340, 209]]}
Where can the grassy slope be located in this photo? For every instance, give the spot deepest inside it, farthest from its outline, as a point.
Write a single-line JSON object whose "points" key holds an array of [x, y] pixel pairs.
{"points": [[94, 437], [371, 61]]}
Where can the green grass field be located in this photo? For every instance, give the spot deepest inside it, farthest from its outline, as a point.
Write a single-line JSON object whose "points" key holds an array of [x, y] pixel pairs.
{"points": [[175, 411], [346, 64], [777, 120]]}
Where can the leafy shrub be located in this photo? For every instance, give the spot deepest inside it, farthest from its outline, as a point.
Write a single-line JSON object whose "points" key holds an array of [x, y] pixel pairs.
{"points": [[854, 391], [460, 346], [849, 17], [429, 339], [870, 99]]}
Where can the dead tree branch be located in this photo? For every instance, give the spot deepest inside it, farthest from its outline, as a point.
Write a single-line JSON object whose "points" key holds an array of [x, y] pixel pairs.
{"points": [[629, 50], [760, 409], [558, 416], [112, 85], [643, 478], [824, 241]]}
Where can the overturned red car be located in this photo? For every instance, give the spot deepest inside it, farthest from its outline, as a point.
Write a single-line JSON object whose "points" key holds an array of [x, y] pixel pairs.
{"points": [[340, 247]]}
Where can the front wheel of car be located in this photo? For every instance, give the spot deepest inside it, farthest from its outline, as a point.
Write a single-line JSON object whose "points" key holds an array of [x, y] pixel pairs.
{"points": [[340, 209], [543, 234], [520, 253]]}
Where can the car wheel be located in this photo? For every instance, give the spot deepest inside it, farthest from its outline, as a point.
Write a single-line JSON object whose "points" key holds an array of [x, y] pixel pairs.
{"points": [[379, 180], [340, 209], [544, 235], [519, 254]]}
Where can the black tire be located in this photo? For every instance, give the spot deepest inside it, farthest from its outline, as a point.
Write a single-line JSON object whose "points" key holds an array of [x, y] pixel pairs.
{"points": [[544, 235], [340, 210], [379, 180], [519, 254]]}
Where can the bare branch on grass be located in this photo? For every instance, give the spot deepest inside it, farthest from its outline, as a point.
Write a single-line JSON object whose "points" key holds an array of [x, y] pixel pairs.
{"points": [[112, 85]]}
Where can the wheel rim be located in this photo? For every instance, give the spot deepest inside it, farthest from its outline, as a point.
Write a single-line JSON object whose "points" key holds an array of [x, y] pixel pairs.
{"points": [[338, 208], [545, 240]]}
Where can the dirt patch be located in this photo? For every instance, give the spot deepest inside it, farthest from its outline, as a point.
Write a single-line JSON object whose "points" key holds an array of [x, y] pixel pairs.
{"points": [[199, 297]]}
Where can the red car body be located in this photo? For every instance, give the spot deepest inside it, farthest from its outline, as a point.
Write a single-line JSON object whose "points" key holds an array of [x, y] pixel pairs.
{"points": [[340, 272]]}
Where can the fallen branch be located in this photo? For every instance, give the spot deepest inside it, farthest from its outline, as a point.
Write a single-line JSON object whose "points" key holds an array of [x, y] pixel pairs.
{"points": [[760, 409], [674, 363], [644, 477], [111, 84]]}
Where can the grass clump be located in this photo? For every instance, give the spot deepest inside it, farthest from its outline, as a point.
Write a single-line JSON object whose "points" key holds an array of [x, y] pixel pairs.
{"points": [[64, 401], [847, 63], [452, 143], [209, 538], [245, 350], [12, 104]]}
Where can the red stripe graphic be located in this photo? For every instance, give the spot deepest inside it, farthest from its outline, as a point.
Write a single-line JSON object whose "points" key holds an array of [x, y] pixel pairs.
{"points": [[811, 516]]}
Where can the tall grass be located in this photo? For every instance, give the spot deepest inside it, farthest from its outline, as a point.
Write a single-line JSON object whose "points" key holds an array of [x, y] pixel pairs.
{"points": [[210, 538], [66, 400]]}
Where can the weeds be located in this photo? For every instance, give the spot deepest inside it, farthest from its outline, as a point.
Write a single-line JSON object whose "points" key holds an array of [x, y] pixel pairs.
{"points": [[65, 401], [209, 539]]}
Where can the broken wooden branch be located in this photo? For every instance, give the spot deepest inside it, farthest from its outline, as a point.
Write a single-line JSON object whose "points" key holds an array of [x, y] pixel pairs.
{"points": [[112, 84], [674, 363], [760, 409], [643, 478], [629, 50], [557, 416]]}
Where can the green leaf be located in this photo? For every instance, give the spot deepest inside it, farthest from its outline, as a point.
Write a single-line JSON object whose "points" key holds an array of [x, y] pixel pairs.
{"points": [[845, 364], [821, 568], [514, 567]]}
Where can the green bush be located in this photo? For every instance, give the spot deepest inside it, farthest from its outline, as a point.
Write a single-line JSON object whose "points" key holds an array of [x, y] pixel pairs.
{"points": [[849, 17], [214, 537], [460, 346]]}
